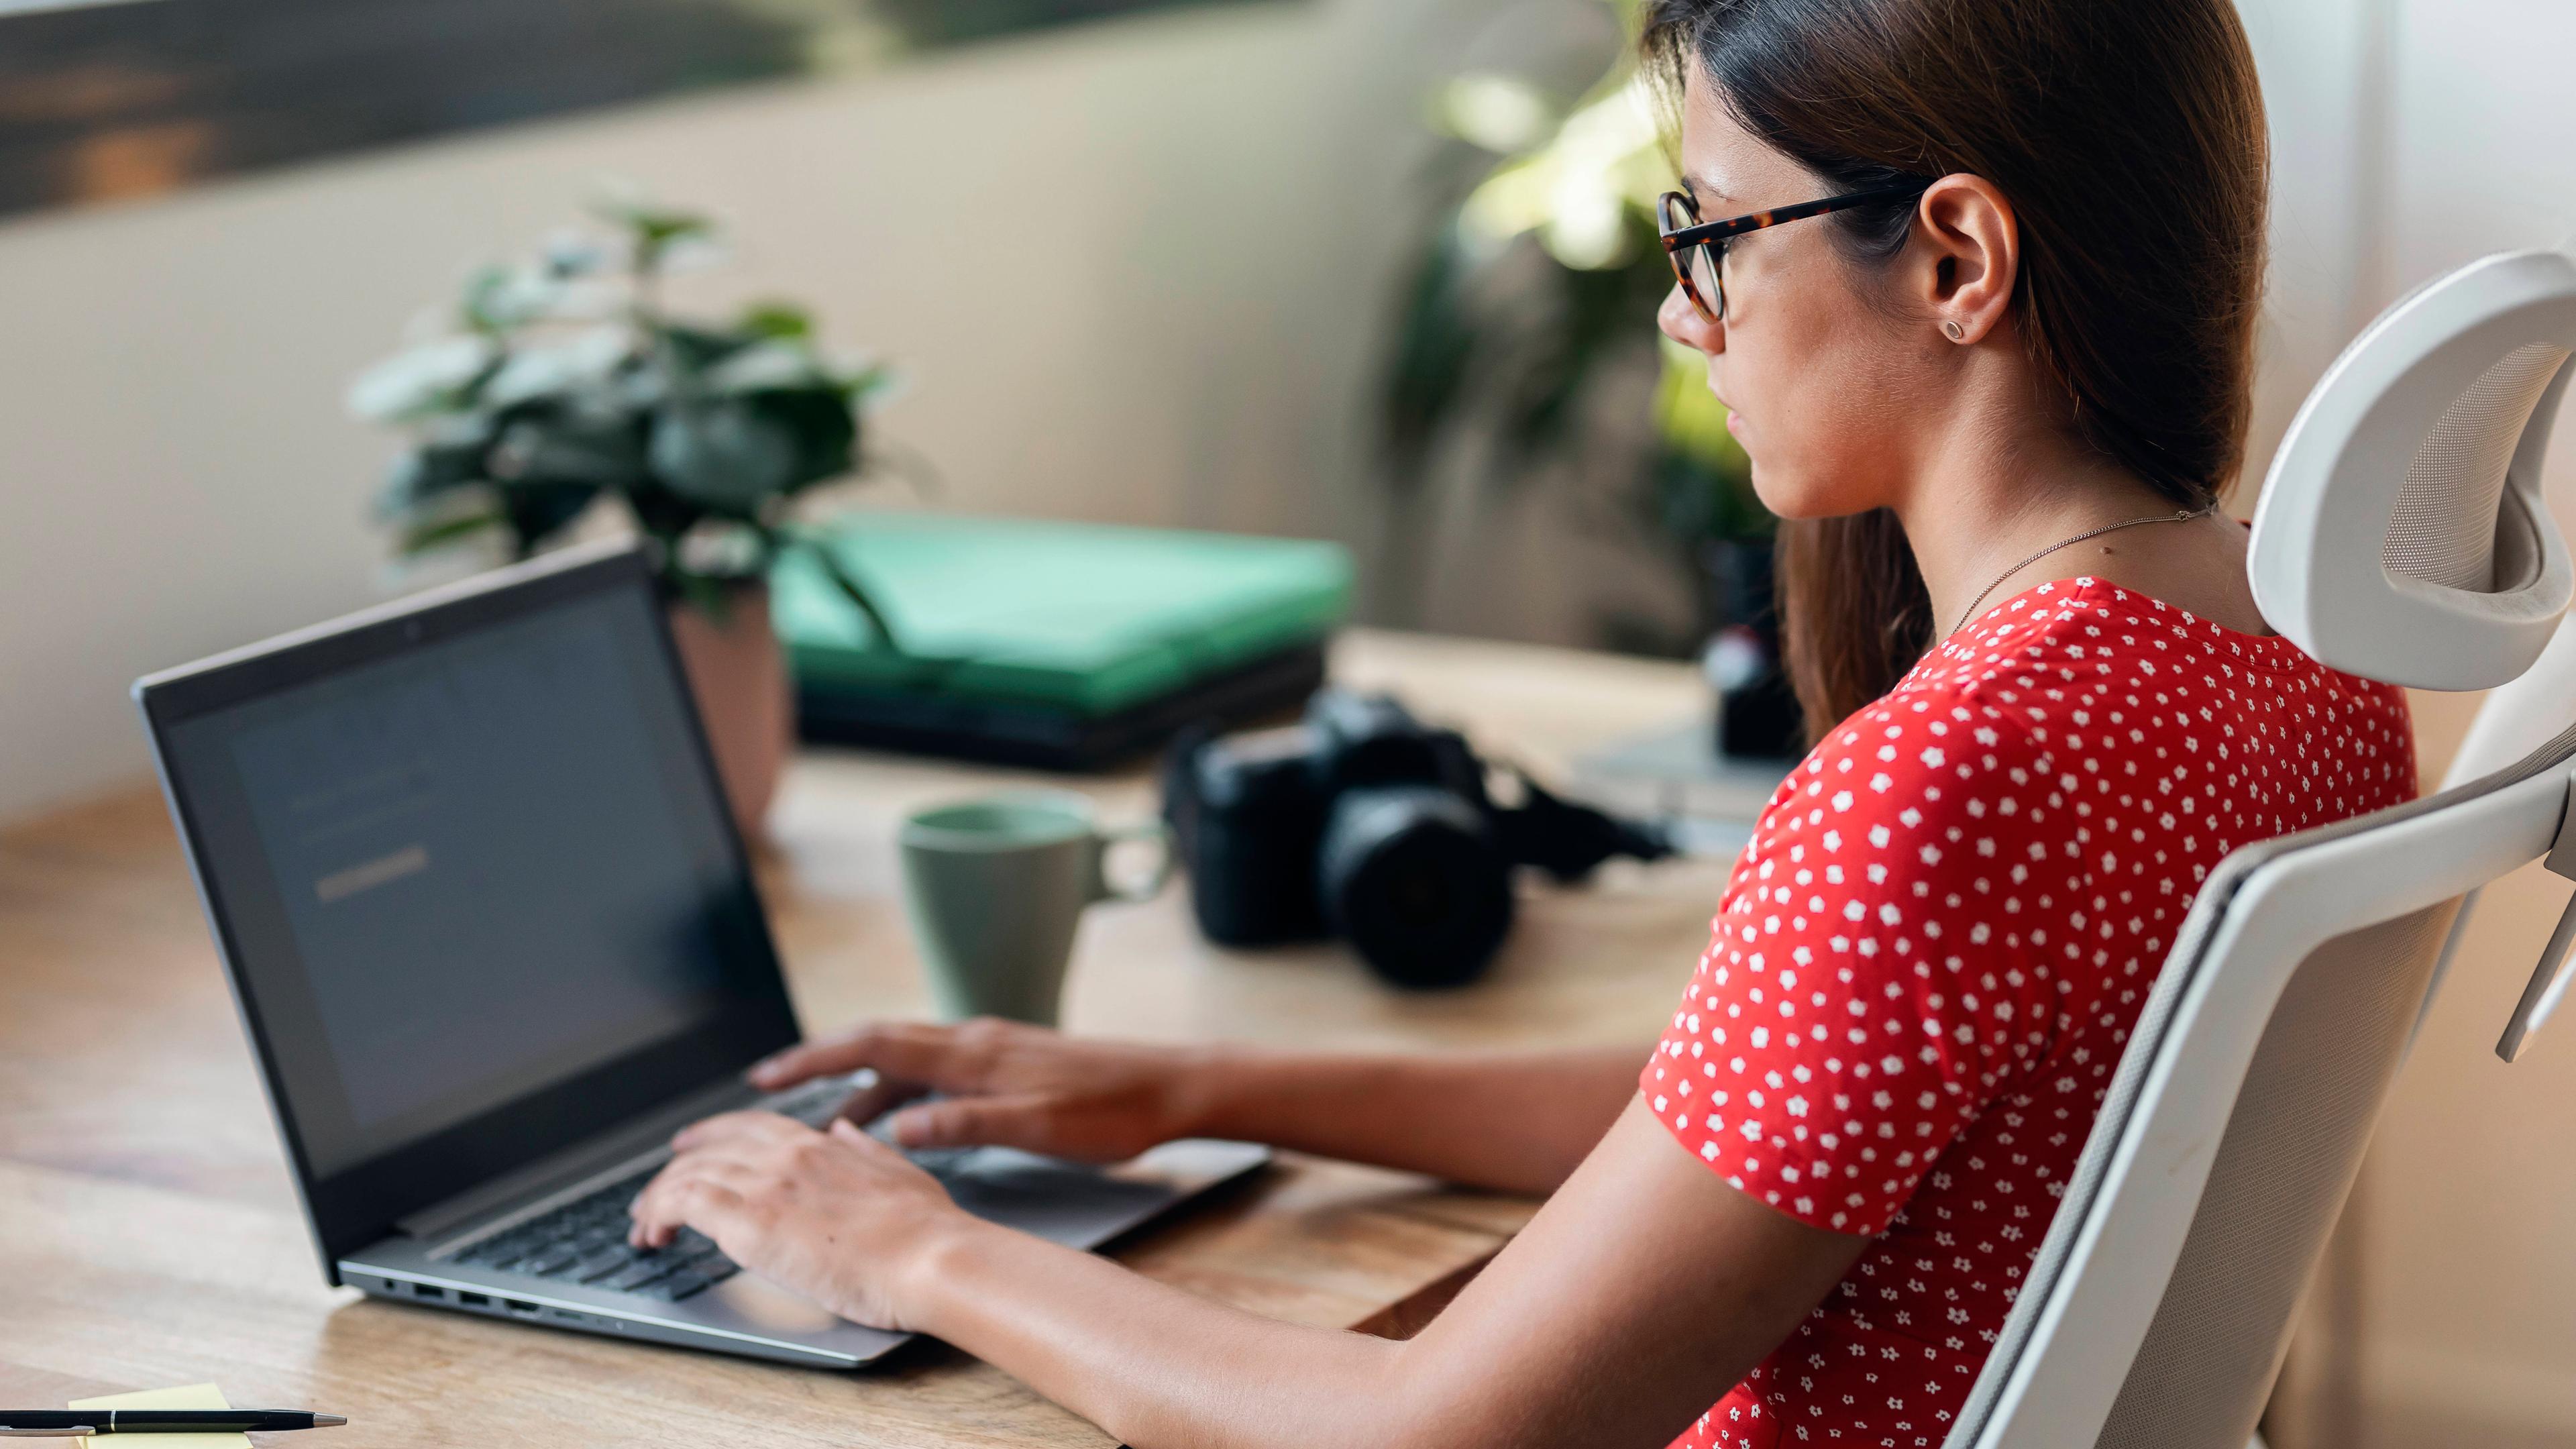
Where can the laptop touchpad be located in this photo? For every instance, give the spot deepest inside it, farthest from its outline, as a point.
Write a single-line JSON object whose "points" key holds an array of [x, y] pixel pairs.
{"points": [[768, 1308]]}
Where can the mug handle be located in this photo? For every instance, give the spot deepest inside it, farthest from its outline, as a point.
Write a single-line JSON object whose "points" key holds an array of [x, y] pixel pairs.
{"points": [[1102, 888]]}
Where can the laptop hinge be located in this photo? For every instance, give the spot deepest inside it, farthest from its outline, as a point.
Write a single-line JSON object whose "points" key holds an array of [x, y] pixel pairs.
{"points": [[592, 1155]]}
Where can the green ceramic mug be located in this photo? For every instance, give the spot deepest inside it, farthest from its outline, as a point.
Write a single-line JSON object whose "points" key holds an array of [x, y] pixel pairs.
{"points": [[995, 887]]}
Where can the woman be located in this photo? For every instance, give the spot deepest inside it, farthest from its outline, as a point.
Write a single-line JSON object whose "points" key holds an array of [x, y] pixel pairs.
{"points": [[1995, 382]]}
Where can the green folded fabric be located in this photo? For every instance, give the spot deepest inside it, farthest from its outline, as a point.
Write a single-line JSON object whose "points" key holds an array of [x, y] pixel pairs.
{"points": [[1082, 617]]}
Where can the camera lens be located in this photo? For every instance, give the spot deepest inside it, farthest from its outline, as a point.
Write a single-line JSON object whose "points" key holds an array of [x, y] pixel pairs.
{"points": [[1412, 877]]}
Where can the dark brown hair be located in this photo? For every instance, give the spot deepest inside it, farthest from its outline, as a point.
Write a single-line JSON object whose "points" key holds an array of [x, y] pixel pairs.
{"points": [[2129, 136]]}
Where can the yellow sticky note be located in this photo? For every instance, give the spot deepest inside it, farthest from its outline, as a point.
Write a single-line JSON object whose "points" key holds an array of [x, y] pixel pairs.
{"points": [[194, 1396]]}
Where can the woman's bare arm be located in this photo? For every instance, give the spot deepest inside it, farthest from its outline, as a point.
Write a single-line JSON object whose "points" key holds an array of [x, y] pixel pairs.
{"points": [[1516, 1121], [1642, 1291]]}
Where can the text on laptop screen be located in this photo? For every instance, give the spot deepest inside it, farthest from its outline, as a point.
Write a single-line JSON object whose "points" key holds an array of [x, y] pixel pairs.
{"points": [[468, 871]]}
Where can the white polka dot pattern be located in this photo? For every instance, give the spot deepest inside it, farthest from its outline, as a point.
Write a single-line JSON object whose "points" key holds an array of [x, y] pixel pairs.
{"points": [[1930, 956]]}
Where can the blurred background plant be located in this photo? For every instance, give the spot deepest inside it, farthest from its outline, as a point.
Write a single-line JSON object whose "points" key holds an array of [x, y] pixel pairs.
{"points": [[1524, 344], [561, 385]]}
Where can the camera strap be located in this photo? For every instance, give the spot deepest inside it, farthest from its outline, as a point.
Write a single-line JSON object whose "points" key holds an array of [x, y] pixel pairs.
{"points": [[1568, 840]]}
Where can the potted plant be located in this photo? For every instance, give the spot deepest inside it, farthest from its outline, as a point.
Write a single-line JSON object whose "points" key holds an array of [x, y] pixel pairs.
{"points": [[1526, 335], [562, 387]]}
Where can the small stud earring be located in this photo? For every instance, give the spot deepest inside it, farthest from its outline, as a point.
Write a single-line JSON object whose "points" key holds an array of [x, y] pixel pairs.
{"points": [[1952, 330]]}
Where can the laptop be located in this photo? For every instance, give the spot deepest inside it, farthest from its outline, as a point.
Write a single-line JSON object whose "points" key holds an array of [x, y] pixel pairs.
{"points": [[494, 939]]}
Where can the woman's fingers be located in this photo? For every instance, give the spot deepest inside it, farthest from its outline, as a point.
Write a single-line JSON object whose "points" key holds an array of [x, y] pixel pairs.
{"points": [[744, 1156], [1025, 1122], [688, 1192], [812, 1059], [851, 1132], [904, 1051], [728, 1126], [881, 1095]]}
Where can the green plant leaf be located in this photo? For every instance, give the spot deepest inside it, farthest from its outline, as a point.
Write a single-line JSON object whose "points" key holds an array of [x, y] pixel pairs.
{"points": [[425, 381], [662, 513], [710, 596], [651, 229], [846, 580], [501, 300], [776, 319], [863, 380], [1495, 111], [539, 511], [479, 309], [702, 428], [574, 254], [436, 533], [768, 365], [694, 349], [724, 454], [1428, 368], [646, 218], [825, 427], [583, 366], [422, 475], [553, 446]]}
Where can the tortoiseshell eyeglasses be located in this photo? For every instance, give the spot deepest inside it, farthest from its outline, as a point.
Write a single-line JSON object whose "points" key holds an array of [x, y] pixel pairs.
{"points": [[1698, 248]]}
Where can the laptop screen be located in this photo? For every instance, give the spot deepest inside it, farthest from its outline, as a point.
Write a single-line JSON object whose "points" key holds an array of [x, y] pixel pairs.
{"points": [[484, 866]]}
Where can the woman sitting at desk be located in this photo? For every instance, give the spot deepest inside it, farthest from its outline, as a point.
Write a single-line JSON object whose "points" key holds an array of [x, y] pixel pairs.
{"points": [[1979, 284]]}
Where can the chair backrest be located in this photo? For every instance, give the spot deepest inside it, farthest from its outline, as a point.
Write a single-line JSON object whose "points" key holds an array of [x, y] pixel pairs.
{"points": [[2401, 534], [2402, 538]]}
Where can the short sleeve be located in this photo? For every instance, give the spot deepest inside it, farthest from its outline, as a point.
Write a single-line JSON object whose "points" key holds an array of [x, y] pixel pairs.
{"points": [[1880, 968]]}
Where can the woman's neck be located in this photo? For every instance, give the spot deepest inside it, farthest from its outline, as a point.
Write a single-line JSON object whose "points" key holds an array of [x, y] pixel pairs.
{"points": [[1984, 497]]}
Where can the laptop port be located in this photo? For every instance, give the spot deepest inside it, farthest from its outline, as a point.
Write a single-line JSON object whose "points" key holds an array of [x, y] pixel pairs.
{"points": [[474, 1300], [424, 1290], [515, 1306]]}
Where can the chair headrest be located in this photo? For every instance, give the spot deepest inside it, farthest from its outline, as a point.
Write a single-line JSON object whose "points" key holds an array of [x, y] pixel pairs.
{"points": [[2401, 534]]}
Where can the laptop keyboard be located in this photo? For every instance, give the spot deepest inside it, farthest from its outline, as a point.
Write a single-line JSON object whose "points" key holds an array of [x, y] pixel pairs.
{"points": [[584, 1241]]}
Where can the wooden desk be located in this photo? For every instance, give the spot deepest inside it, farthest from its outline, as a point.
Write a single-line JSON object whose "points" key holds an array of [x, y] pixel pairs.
{"points": [[149, 1234]]}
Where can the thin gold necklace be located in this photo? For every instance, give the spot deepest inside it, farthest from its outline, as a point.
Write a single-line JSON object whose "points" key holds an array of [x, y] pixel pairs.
{"points": [[2179, 516]]}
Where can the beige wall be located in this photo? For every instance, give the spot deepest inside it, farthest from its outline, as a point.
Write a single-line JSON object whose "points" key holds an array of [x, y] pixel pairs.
{"points": [[2469, 1297], [2413, 136], [1197, 215]]}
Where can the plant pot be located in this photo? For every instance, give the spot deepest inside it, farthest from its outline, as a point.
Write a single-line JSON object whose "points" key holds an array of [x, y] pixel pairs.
{"points": [[739, 676]]}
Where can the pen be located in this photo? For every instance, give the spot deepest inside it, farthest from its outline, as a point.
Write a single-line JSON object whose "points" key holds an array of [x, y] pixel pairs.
{"points": [[63, 1423]]}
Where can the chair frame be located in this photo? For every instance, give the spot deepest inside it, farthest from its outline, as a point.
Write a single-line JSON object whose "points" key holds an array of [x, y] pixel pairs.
{"points": [[2103, 1269], [2334, 486]]}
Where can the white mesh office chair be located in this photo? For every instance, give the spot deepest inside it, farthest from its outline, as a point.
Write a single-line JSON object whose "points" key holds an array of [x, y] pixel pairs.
{"points": [[2400, 536]]}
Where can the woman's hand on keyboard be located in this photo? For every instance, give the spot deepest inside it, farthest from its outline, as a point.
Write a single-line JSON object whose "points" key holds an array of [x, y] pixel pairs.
{"points": [[1002, 1083], [835, 1216]]}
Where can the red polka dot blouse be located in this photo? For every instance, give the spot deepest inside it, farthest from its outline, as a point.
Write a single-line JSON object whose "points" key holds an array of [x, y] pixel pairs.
{"points": [[1930, 956]]}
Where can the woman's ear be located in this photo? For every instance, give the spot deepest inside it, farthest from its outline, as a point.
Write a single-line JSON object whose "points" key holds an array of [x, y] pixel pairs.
{"points": [[1971, 249]]}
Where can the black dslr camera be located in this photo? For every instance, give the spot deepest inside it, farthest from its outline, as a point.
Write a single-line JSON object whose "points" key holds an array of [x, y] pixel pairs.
{"points": [[1363, 823]]}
